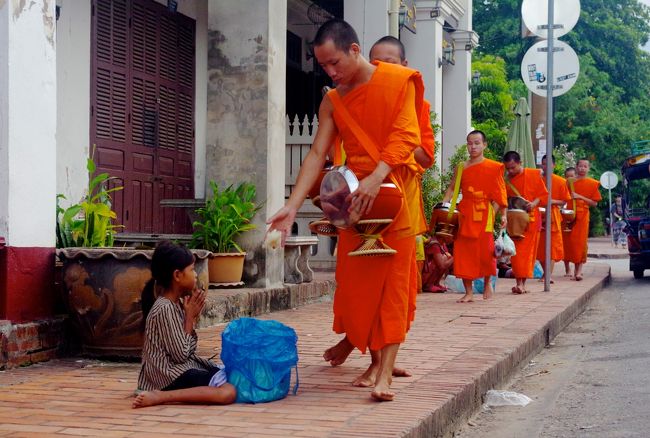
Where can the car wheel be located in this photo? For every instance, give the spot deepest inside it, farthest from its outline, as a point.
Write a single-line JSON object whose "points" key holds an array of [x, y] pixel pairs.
{"points": [[638, 273]]}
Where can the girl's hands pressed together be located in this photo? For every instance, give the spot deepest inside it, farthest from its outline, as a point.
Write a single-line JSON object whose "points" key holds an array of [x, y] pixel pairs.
{"points": [[193, 305]]}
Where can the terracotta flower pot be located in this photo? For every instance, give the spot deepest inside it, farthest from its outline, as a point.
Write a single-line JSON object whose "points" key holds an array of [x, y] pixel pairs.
{"points": [[226, 268], [102, 287]]}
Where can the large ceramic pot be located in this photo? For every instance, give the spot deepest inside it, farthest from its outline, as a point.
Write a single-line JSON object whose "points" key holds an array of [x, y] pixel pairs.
{"points": [[226, 269], [102, 288]]}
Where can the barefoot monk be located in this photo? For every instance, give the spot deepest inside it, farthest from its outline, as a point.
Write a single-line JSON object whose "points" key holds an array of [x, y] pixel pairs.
{"points": [[484, 195], [380, 103]]}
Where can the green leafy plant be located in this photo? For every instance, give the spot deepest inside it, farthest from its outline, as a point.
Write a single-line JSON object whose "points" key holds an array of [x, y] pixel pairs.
{"points": [[90, 222], [225, 216]]}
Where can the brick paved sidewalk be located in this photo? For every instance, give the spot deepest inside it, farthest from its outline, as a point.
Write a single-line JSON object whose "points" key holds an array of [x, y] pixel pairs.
{"points": [[455, 351]]}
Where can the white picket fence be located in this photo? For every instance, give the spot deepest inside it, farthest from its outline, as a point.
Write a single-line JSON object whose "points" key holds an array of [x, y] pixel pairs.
{"points": [[299, 138]]}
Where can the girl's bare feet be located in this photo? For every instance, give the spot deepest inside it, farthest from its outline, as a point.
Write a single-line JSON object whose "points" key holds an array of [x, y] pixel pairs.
{"points": [[339, 353], [147, 398]]}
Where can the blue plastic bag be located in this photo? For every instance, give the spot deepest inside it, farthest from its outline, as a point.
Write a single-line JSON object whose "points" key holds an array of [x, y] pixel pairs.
{"points": [[259, 356], [456, 284], [538, 272]]}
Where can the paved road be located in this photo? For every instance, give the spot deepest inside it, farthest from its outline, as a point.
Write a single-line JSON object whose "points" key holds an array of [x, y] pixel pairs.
{"points": [[593, 381]]}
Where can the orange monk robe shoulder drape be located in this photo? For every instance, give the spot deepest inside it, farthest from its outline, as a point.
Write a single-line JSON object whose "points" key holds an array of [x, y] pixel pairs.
{"points": [[576, 245], [530, 186], [427, 136], [480, 185], [560, 193], [373, 304]]}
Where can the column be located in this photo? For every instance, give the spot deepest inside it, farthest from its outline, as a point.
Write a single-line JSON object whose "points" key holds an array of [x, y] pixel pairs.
{"points": [[246, 114], [27, 159], [423, 51], [369, 18], [457, 98]]}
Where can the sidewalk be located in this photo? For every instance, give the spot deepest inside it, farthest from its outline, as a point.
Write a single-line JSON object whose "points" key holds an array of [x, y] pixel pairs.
{"points": [[603, 248], [456, 352]]}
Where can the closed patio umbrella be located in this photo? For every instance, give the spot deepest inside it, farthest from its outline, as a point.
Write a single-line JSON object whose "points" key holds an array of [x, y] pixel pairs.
{"points": [[519, 134]]}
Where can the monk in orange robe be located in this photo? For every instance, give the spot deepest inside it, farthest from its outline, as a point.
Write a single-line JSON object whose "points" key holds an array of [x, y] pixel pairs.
{"points": [[527, 184], [484, 195], [380, 102], [559, 196], [586, 194], [569, 172], [391, 50]]}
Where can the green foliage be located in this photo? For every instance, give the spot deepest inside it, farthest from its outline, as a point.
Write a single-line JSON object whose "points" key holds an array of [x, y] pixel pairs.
{"points": [[596, 222], [90, 222], [492, 103], [225, 216], [608, 108]]}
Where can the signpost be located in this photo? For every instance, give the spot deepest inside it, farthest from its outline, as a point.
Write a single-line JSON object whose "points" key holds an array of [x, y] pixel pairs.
{"points": [[539, 78], [609, 180]]}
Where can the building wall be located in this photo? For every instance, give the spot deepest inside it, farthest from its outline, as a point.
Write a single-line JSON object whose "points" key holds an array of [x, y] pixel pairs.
{"points": [[73, 89]]}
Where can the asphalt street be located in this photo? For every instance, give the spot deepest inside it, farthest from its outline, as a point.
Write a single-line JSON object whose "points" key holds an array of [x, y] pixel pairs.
{"points": [[592, 381]]}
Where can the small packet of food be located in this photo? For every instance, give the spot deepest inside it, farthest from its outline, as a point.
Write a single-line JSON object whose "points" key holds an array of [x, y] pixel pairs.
{"points": [[273, 239]]}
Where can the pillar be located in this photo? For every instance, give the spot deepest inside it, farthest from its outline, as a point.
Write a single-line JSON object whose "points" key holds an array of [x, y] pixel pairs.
{"points": [[27, 158], [246, 114]]}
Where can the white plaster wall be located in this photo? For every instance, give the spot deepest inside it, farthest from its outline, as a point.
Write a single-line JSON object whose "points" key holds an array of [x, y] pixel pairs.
{"points": [[73, 70], [73, 100], [27, 133], [369, 18], [4, 118]]}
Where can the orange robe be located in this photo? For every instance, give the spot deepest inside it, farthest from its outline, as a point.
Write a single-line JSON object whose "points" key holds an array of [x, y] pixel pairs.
{"points": [[375, 295], [576, 239], [530, 186], [427, 136], [480, 184], [560, 192]]}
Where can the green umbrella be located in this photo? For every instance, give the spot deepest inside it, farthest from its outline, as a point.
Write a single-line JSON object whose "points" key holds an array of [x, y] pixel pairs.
{"points": [[519, 134]]}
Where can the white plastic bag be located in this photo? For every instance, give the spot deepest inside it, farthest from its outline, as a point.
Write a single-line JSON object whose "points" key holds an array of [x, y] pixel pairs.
{"points": [[505, 398], [508, 245]]}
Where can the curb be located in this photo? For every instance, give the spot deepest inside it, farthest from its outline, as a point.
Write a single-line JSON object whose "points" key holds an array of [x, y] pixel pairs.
{"points": [[466, 400], [608, 256]]}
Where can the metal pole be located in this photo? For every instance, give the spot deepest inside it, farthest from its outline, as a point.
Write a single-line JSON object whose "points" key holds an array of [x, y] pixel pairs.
{"points": [[549, 143], [611, 216]]}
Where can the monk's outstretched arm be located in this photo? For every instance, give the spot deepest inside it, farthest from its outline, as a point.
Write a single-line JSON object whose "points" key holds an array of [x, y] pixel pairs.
{"points": [[310, 169]]}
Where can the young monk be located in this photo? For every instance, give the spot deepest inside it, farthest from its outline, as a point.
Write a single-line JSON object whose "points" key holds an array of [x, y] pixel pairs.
{"points": [[527, 184], [586, 194], [391, 50], [484, 195], [569, 172], [371, 304], [559, 196]]}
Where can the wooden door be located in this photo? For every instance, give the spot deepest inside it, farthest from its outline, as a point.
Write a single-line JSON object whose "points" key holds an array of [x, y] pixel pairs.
{"points": [[142, 109]]}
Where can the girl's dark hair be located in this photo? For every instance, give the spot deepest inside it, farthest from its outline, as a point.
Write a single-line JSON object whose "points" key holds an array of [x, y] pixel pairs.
{"points": [[167, 258]]}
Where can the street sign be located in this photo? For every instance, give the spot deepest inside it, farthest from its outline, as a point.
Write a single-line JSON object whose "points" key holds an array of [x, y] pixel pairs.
{"points": [[566, 68], [535, 16], [608, 180]]}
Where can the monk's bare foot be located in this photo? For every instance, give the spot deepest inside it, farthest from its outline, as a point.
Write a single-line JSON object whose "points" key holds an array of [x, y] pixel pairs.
{"points": [[568, 274], [401, 372], [466, 299], [517, 290], [147, 398], [487, 293], [578, 277], [367, 379], [382, 392], [338, 354]]}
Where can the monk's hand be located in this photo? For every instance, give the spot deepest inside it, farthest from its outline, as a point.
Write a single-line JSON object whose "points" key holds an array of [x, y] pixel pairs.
{"points": [[282, 221], [363, 198], [504, 220]]}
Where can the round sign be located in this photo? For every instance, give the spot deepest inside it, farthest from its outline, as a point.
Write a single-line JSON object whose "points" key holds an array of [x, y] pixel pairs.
{"points": [[608, 180], [566, 68], [565, 16]]}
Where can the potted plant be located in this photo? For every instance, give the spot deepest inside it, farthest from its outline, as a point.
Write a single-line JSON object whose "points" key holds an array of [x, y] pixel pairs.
{"points": [[101, 285], [225, 216]]}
